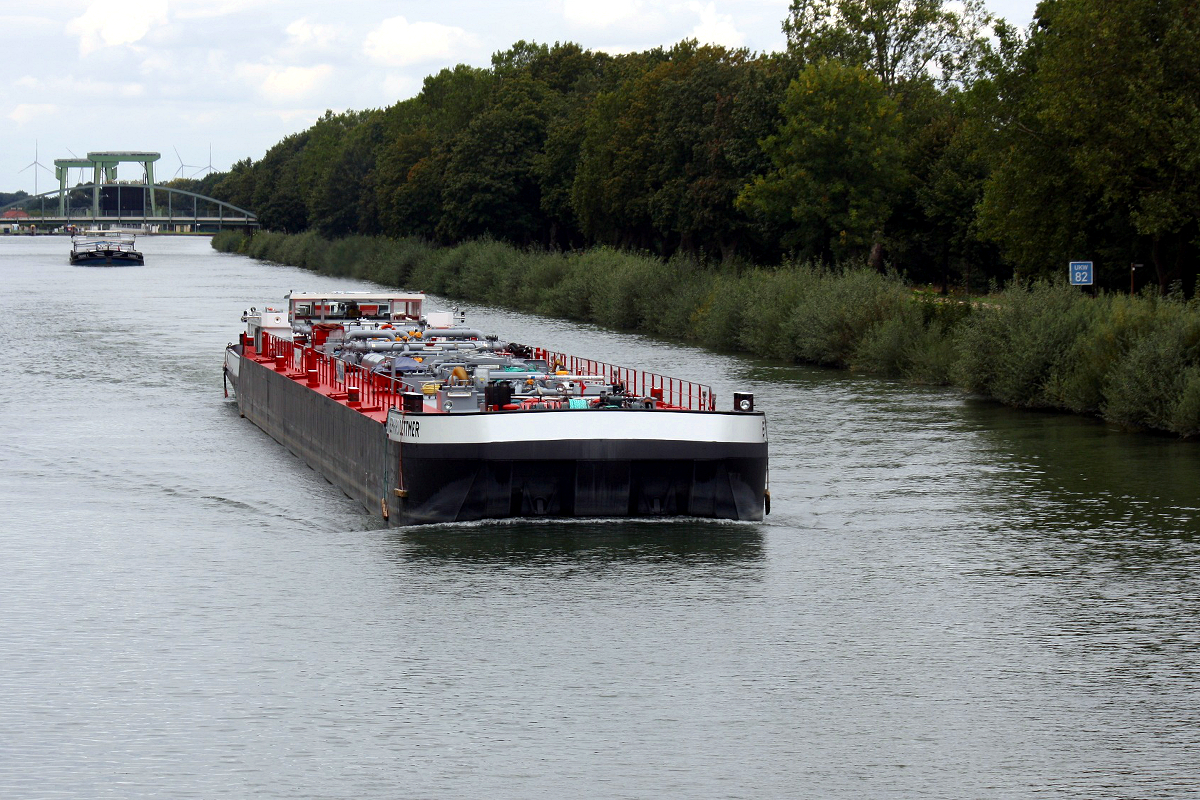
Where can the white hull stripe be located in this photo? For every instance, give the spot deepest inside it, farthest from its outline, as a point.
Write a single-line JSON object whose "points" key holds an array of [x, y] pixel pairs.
{"points": [[534, 426]]}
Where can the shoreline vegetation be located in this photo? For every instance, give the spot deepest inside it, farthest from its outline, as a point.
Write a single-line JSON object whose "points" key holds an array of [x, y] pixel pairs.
{"points": [[926, 135], [1131, 360]]}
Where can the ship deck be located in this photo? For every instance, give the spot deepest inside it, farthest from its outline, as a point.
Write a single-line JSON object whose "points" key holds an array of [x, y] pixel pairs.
{"points": [[373, 394]]}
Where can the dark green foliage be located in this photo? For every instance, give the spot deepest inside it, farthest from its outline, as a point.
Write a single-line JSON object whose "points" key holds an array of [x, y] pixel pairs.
{"points": [[1155, 382], [489, 185], [902, 42], [830, 319], [918, 134], [1014, 346], [7, 198], [661, 191], [915, 340], [837, 163], [1132, 360], [229, 241], [1094, 142]]}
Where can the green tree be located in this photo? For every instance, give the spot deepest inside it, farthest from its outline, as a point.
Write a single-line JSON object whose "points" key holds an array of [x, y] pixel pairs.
{"points": [[572, 77], [237, 185], [1100, 156], [489, 182], [415, 208], [665, 153], [451, 99], [838, 163], [901, 42], [344, 201]]}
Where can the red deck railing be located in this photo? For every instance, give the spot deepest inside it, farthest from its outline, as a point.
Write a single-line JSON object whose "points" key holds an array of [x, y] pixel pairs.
{"points": [[309, 364], [675, 391], [379, 391]]}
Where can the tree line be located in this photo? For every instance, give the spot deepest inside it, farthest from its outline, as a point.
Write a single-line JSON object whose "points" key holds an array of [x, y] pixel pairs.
{"points": [[916, 135]]}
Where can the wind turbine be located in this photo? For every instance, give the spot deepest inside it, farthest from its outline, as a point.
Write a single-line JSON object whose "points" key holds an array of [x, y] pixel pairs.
{"points": [[210, 167], [34, 165], [82, 170], [182, 166]]}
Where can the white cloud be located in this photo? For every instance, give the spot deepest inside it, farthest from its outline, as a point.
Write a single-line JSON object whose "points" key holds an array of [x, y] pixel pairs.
{"points": [[55, 85], [295, 82], [157, 63], [396, 42], [110, 23], [303, 32], [211, 9], [600, 13], [401, 87], [303, 117], [27, 112], [715, 28], [25, 21], [285, 84]]}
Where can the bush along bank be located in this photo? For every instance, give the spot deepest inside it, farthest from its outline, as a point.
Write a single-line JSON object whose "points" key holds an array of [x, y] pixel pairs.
{"points": [[1134, 361]]}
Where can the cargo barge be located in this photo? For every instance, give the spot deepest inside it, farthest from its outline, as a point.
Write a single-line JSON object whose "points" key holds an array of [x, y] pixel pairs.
{"points": [[105, 249], [425, 420]]}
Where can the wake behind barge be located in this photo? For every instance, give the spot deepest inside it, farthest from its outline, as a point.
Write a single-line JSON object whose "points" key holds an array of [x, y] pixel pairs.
{"points": [[425, 420]]}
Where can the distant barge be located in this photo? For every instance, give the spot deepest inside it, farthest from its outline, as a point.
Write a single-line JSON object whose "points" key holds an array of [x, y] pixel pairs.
{"points": [[105, 249], [425, 420]]}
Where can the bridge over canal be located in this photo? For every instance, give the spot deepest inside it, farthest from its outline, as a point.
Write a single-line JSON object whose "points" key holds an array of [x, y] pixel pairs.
{"points": [[107, 202]]}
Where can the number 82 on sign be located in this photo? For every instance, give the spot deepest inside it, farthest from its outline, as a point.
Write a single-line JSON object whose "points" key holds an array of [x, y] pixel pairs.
{"points": [[1081, 273]]}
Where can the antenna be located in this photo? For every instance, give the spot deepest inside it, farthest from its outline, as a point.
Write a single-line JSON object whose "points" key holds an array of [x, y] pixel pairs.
{"points": [[208, 168], [182, 166]]}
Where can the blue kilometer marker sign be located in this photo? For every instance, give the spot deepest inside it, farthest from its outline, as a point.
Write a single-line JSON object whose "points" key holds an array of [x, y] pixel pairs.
{"points": [[1081, 273]]}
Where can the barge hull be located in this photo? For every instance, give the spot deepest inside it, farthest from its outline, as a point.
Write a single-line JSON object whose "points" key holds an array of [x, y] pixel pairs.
{"points": [[349, 449], [441, 489], [107, 261], [442, 480]]}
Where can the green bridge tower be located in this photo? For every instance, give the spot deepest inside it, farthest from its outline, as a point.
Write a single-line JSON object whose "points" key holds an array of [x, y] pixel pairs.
{"points": [[104, 165]]}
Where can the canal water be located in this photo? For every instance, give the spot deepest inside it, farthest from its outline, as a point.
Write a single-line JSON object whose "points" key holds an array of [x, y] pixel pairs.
{"points": [[950, 599]]}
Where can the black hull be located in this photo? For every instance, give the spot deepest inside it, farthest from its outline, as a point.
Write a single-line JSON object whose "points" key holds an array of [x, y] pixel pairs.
{"points": [[417, 483], [114, 260], [459, 490]]}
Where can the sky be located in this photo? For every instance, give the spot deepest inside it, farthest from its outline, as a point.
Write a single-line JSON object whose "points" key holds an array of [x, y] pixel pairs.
{"points": [[207, 83]]}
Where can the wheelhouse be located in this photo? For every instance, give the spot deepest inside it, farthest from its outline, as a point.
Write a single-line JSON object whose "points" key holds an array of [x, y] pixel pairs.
{"points": [[376, 306]]}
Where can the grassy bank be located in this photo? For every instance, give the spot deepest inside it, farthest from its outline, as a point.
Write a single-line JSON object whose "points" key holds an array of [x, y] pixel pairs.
{"points": [[1134, 361]]}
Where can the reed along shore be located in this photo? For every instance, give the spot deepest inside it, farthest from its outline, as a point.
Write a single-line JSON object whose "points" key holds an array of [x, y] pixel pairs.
{"points": [[1130, 360]]}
